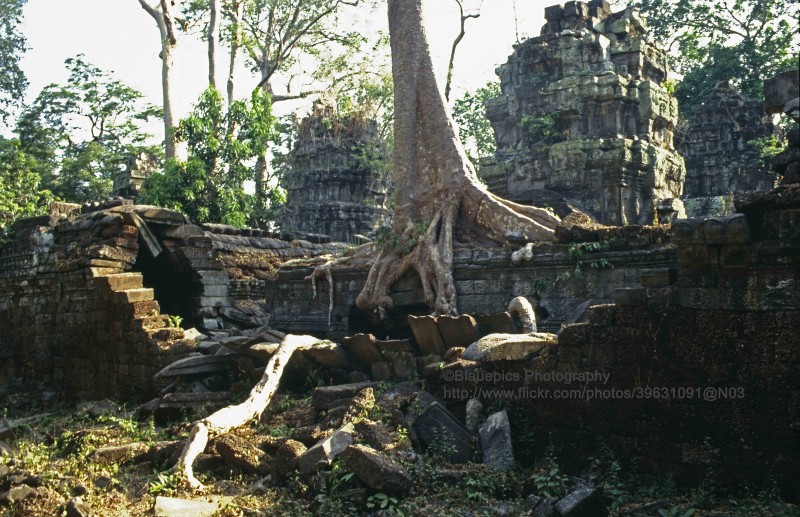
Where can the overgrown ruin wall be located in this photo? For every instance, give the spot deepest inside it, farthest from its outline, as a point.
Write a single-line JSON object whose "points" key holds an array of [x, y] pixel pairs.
{"points": [[338, 181], [703, 359], [81, 295], [721, 158], [585, 117]]}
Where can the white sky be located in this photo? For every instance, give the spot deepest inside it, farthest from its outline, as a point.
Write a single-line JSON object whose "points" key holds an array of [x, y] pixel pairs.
{"points": [[119, 36]]}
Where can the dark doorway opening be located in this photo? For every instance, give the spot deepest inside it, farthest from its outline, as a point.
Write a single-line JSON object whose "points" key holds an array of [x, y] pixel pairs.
{"points": [[173, 282]]}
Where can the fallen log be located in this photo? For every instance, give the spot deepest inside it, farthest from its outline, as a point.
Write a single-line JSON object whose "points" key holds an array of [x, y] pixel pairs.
{"points": [[232, 417]]}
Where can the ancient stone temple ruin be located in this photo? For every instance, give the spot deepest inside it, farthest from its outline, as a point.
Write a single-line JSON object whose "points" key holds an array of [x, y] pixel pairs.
{"points": [[338, 182], [585, 118], [140, 166], [721, 158]]}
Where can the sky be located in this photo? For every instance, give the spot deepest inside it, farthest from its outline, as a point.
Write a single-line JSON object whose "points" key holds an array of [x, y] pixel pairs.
{"points": [[119, 36]]}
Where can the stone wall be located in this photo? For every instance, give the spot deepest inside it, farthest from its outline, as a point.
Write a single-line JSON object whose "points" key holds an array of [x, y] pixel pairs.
{"points": [[702, 360], [720, 158], [485, 280], [585, 118], [337, 184], [81, 295], [75, 320]]}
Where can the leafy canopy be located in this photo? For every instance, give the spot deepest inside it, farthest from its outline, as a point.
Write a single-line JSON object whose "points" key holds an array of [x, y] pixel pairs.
{"points": [[12, 45], [744, 41], [209, 186], [82, 133], [20, 194], [469, 112]]}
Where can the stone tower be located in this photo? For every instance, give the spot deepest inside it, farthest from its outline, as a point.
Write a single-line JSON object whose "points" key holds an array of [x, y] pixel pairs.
{"points": [[586, 118], [338, 181], [720, 160]]}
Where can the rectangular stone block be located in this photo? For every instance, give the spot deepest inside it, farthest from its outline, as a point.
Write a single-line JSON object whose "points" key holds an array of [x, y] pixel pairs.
{"points": [[459, 331], [661, 277], [630, 296], [143, 294], [427, 334], [362, 348], [121, 281], [499, 323]]}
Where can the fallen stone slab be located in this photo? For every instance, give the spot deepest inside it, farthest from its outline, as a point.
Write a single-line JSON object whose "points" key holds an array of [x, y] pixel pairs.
{"points": [[328, 397], [330, 355], [202, 364], [18, 493], [458, 330], [6, 451], [404, 364], [243, 455], [582, 502], [394, 345], [495, 435], [117, 454], [362, 348], [175, 507], [262, 351], [508, 347], [439, 431], [426, 332], [6, 431], [287, 459], [325, 451], [376, 470], [499, 323]]}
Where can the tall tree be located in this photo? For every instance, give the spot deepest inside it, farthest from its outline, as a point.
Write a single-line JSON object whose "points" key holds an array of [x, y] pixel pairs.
{"points": [[213, 37], [275, 35], [451, 64], [209, 187], [20, 192], [744, 41], [12, 46], [439, 200], [162, 13], [82, 133], [234, 11]]}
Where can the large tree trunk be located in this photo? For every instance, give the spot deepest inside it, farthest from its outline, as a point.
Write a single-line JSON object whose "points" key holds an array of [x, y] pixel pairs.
{"points": [[213, 33], [437, 191], [163, 18], [235, 13]]}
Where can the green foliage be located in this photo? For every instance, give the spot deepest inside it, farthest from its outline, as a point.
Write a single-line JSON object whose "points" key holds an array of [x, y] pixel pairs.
{"points": [[404, 243], [768, 147], [475, 130], [340, 478], [165, 483], [82, 133], [12, 46], [744, 41], [538, 127], [577, 251], [209, 186], [381, 501], [175, 321], [549, 481], [20, 194]]}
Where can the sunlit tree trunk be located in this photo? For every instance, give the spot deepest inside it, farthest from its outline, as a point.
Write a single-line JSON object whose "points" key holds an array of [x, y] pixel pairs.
{"points": [[436, 189], [163, 18], [213, 37]]}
